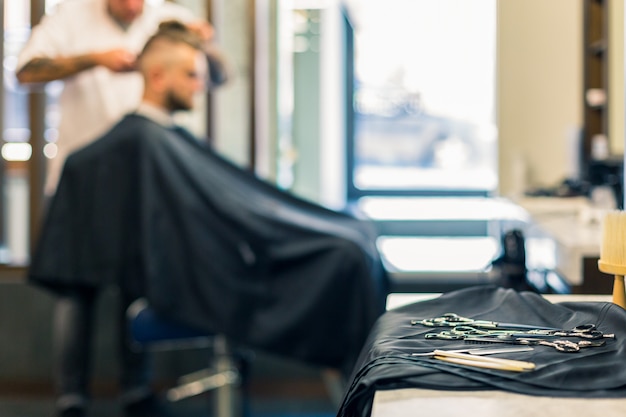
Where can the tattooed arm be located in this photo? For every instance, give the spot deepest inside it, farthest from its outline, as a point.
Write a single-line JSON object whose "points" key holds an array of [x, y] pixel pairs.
{"points": [[41, 70]]}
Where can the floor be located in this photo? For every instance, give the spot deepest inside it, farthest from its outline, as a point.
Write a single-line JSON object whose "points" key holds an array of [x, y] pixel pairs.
{"points": [[26, 406], [294, 396]]}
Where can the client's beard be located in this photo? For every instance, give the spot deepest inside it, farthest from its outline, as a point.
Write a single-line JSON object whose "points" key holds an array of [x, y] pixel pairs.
{"points": [[174, 103]]}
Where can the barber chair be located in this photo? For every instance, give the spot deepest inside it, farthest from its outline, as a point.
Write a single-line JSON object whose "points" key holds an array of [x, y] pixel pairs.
{"points": [[223, 376]]}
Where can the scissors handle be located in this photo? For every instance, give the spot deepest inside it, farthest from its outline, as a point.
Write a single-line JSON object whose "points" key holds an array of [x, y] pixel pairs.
{"points": [[561, 345], [593, 335], [444, 336]]}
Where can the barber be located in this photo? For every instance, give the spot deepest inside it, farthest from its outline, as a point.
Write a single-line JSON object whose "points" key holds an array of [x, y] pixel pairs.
{"points": [[92, 45]]}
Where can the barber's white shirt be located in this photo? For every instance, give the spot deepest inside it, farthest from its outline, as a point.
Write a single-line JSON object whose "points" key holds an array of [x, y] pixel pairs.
{"points": [[94, 100]]}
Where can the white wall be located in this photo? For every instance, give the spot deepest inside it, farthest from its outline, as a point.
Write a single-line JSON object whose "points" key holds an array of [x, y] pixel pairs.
{"points": [[539, 89]]}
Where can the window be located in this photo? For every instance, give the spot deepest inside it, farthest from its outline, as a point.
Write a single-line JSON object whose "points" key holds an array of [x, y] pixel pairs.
{"points": [[423, 99], [15, 149]]}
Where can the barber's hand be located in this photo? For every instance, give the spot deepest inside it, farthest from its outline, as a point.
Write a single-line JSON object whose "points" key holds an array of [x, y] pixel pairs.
{"points": [[203, 29], [117, 60], [219, 72]]}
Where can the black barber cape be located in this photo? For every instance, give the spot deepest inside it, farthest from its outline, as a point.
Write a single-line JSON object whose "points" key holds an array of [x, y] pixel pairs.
{"points": [[163, 216], [386, 362]]}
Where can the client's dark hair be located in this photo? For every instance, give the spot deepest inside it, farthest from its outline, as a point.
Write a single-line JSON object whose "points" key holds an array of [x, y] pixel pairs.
{"points": [[175, 32]]}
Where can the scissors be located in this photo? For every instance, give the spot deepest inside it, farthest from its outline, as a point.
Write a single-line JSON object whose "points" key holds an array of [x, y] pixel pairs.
{"points": [[461, 332], [561, 345], [453, 320], [586, 331], [567, 345], [590, 343]]}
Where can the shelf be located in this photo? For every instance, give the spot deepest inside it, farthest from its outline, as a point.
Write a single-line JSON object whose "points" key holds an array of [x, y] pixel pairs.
{"points": [[598, 47], [595, 74]]}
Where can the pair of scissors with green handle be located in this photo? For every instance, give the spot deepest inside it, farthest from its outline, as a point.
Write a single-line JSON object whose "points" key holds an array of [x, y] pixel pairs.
{"points": [[453, 320], [461, 332]]}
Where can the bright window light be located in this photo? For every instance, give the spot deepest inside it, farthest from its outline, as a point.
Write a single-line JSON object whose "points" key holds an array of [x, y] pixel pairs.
{"points": [[16, 151], [424, 96], [445, 208], [441, 254]]}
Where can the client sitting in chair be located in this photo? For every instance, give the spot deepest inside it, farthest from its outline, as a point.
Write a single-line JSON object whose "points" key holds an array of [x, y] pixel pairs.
{"points": [[153, 210]]}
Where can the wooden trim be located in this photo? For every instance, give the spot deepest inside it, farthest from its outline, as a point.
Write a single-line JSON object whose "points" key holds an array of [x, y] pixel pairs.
{"points": [[252, 15], [210, 125], [10, 273], [3, 236], [37, 163], [265, 388], [595, 73]]}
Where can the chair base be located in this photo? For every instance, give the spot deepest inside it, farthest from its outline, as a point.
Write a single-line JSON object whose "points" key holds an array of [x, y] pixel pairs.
{"points": [[200, 382], [223, 377]]}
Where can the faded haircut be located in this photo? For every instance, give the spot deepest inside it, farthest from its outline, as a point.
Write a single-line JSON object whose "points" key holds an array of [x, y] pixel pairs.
{"points": [[174, 32]]}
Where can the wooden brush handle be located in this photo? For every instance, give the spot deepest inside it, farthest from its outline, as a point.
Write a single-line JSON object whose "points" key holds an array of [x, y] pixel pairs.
{"points": [[527, 366], [487, 365], [619, 292]]}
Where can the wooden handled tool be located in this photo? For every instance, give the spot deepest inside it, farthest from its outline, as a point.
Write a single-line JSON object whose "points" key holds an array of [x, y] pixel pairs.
{"points": [[613, 253], [483, 362]]}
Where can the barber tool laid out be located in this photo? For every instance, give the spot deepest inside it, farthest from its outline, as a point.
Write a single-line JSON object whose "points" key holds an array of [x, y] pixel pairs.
{"points": [[464, 324], [453, 320], [473, 357], [613, 253], [570, 349], [485, 331], [586, 331], [473, 330], [510, 333], [483, 362], [561, 345], [591, 338], [556, 338]]}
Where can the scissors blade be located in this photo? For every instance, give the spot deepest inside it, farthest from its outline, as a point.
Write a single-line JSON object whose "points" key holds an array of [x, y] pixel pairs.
{"points": [[496, 350], [482, 351], [508, 340], [512, 326]]}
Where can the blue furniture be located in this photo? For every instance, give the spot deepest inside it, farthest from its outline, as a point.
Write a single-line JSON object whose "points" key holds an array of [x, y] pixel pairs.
{"points": [[150, 331]]}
